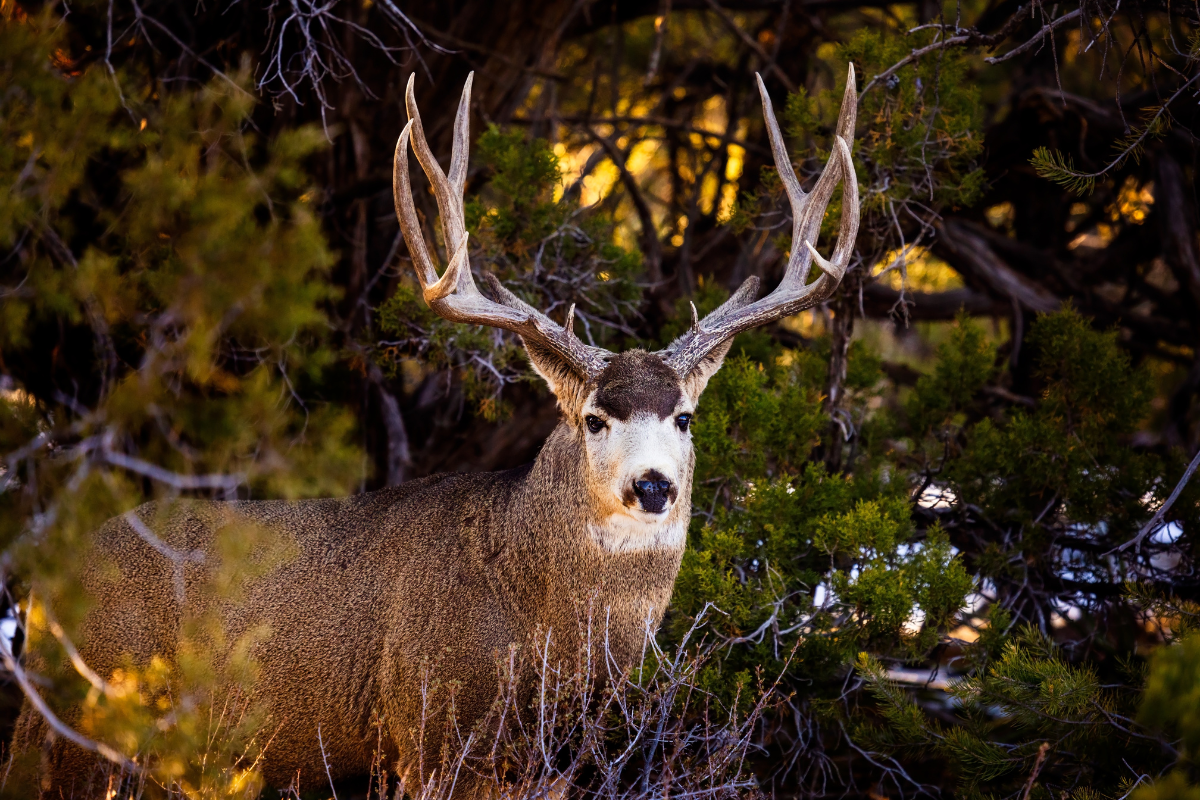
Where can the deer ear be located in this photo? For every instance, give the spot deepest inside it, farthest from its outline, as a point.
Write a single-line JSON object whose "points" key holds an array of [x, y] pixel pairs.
{"points": [[563, 381], [695, 381]]}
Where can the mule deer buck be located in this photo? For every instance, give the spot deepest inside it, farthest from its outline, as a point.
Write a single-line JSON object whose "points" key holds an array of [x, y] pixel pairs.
{"points": [[453, 569]]}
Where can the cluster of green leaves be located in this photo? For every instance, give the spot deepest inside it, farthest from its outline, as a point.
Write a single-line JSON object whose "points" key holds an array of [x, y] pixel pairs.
{"points": [[1171, 706], [1069, 455], [923, 124], [812, 570], [547, 250], [1051, 489], [1060, 168], [1029, 710], [182, 250], [922, 134], [806, 566]]}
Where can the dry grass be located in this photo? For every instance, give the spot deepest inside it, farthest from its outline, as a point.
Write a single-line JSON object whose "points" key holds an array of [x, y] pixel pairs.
{"points": [[582, 727]]}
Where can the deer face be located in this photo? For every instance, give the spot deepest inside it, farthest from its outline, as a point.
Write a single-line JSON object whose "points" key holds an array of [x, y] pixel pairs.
{"points": [[636, 431], [633, 427]]}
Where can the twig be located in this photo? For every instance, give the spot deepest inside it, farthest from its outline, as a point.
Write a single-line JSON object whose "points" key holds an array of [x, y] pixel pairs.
{"points": [[228, 483], [911, 57], [1037, 767], [660, 35], [178, 558], [1147, 129], [325, 761], [141, 17], [81, 666], [1037, 37], [649, 234], [1162, 510]]}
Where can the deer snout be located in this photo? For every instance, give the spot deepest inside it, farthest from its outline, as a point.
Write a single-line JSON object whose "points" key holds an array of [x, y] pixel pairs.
{"points": [[654, 491]]}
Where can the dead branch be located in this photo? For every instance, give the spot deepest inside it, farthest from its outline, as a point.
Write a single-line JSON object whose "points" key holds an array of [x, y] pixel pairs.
{"points": [[1046, 30], [1157, 519]]}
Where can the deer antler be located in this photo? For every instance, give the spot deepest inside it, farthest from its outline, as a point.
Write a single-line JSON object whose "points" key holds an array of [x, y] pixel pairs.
{"points": [[454, 295], [741, 312]]}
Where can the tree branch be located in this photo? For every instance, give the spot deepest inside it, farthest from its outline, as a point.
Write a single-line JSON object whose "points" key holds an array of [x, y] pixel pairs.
{"points": [[650, 242], [768, 63], [1046, 29], [1163, 509], [57, 725]]}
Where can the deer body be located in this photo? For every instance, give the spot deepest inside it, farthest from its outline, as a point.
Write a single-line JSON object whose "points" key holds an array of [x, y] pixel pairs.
{"points": [[442, 573], [440, 577]]}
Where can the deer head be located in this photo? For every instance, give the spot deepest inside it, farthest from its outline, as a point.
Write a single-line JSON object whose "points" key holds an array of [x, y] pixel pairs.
{"points": [[629, 415]]}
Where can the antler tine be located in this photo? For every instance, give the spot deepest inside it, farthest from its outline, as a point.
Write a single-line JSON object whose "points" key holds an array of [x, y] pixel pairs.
{"points": [[793, 294], [783, 162], [406, 213], [462, 140], [449, 196], [454, 295]]}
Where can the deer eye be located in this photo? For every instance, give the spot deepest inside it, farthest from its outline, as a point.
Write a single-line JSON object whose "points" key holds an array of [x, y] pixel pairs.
{"points": [[683, 421], [594, 424]]}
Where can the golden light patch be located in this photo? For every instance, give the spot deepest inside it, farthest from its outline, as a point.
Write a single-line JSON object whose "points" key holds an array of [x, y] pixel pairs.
{"points": [[917, 270]]}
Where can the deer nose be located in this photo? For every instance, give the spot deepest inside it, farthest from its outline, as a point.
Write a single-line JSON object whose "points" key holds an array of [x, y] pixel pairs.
{"points": [[654, 490]]}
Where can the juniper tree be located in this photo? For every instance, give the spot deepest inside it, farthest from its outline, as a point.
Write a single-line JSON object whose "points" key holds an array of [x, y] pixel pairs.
{"points": [[181, 249]]}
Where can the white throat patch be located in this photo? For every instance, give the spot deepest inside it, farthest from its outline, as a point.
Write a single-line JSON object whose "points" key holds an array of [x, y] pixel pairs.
{"points": [[623, 534]]}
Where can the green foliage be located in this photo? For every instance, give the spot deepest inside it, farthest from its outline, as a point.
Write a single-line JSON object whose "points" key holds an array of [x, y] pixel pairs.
{"points": [[1172, 695], [1028, 710], [803, 563], [923, 126], [964, 365], [182, 250], [523, 175], [1024, 706], [777, 525], [918, 144], [1175, 786], [197, 299], [1054, 166], [1072, 447]]}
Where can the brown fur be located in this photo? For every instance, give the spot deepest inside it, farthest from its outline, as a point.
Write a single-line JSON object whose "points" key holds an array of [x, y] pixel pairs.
{"points": [[637, 381], [448, 571]]}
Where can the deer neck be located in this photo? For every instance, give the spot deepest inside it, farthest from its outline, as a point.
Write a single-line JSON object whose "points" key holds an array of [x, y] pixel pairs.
{"points": [[567, 564]]}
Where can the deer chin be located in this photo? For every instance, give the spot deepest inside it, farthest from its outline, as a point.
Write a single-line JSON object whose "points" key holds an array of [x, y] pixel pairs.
{"points": [[634, 531]]}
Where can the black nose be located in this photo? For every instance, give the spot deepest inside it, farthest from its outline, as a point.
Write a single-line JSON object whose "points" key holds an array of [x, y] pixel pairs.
{"points": [[653, 490]]}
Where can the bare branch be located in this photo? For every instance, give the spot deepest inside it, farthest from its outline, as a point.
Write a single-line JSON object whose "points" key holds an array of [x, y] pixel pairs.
{"points": [[942, 44], [57, 725], [1157, 519], [228, 483], [325, 761], [650, 242], [1041, 34]]}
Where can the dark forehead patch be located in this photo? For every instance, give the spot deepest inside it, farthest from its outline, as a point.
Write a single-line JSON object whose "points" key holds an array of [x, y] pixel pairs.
{"points": [[637, 381]]}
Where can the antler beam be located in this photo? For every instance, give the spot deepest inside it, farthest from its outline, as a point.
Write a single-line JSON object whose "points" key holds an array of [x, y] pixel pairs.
{"points": [[794, 294], [454, 295]]}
